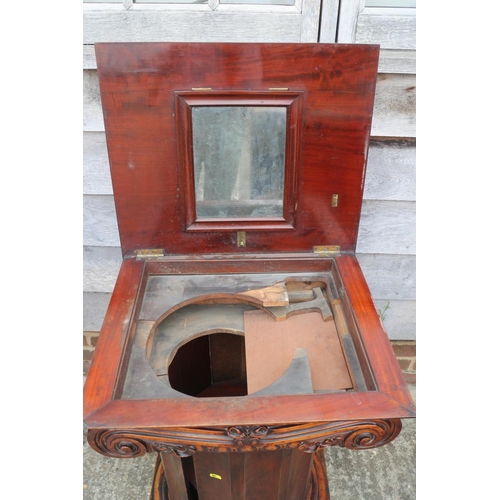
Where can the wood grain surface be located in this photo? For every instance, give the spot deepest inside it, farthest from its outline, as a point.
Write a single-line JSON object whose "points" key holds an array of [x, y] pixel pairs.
{"points": [[137, 85], [270, 347]]}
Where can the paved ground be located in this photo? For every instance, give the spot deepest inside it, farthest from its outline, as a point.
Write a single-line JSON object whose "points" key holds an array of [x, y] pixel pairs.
{"points": [[386, 473]]}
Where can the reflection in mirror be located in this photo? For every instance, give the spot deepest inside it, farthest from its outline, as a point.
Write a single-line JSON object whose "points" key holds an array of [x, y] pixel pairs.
{"points": [[239, 161]]}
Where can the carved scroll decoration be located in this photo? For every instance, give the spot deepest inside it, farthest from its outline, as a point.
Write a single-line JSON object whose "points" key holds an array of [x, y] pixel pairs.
{"points": [[183, 442], [247, 435], [366, 436]]}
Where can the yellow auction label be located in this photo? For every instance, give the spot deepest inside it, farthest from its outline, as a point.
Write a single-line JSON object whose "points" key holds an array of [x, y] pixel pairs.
{"points": [[216, 476]]}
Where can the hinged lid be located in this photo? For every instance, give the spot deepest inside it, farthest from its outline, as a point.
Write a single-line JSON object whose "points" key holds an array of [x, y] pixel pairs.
{"points": [[227, 148]]}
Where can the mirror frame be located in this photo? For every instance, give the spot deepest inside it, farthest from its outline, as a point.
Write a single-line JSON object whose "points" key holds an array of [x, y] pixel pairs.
{"points": [[185, 101]]}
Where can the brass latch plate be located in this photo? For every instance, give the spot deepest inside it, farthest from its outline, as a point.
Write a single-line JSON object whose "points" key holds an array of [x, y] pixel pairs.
{"points": [[241, 239]]}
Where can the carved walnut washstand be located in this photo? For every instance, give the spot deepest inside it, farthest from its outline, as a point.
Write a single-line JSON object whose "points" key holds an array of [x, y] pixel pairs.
{"points": [[241, 338]]}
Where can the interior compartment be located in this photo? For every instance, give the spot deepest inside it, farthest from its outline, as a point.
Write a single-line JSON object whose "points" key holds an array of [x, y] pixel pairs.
{"points": [[210, 366], [190, 337]]}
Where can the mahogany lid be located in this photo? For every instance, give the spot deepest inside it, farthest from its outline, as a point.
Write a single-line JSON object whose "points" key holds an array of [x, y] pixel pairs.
{"points": [[149, 92]]}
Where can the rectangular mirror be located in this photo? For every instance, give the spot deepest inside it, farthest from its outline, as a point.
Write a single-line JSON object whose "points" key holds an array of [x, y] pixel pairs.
{"points": [[239, 161]]}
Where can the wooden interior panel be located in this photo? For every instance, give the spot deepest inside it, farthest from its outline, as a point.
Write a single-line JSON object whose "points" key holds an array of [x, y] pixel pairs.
{"points": [[227, 356], [189, 371], [270, 347]]}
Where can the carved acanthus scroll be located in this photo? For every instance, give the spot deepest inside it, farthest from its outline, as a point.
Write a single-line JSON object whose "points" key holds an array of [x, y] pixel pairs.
{"points": [[182, 442], [360, 436]]}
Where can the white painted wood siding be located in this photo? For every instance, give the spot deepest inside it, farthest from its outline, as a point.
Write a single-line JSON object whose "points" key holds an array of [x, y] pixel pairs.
{"points": [[394, 29], [386, 244], [201, 22]]}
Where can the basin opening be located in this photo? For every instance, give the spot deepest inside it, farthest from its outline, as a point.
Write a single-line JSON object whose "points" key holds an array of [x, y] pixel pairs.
{"points": [[210, 366]]}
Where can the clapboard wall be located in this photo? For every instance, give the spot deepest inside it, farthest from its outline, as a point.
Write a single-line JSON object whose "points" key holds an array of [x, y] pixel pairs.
{"points": [[387, 240], [386, 244]]}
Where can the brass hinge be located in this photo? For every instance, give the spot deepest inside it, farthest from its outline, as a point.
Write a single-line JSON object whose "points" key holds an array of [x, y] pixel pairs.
{"points": [[326, 250], [148, 253]]}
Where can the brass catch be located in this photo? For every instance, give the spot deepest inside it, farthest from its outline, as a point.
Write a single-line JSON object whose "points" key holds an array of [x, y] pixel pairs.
{"points": [[335, 200], [241, 239]]}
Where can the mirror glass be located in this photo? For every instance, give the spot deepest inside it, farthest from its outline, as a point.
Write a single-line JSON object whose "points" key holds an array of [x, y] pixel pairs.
{"points": [[239, 161]]}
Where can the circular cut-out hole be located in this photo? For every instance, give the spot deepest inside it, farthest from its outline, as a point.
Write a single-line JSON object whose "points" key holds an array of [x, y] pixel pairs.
{"points": [[210, 366]]}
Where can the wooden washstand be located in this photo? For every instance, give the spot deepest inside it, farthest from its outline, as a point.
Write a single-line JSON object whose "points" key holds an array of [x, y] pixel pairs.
{"points": [[241, 338]]}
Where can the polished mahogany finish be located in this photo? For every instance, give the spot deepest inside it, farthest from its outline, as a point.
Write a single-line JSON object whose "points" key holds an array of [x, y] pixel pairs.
{"points": [[318, 485], [387, 395], [211, 443], [140, 86]]}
